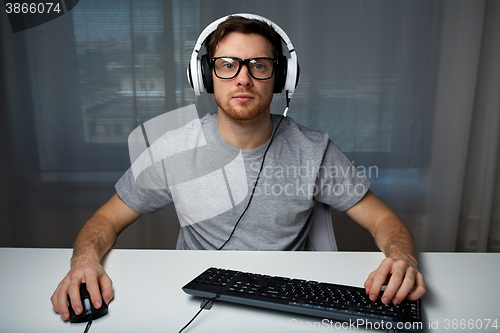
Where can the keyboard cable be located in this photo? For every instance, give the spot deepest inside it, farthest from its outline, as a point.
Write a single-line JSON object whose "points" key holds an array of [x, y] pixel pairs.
{"points": [[202, 307]]}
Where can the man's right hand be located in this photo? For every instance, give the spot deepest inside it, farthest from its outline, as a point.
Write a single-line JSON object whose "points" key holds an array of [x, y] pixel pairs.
{"points": [[97, 236], [84, 271]]}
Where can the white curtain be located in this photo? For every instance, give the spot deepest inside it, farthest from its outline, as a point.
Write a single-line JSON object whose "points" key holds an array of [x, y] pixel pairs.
{"points": [[479, 227], [407, 89]]}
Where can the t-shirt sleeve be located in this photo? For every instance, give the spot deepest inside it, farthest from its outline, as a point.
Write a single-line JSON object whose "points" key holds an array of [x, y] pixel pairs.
{"points": [[339, 183], [141, 200]]}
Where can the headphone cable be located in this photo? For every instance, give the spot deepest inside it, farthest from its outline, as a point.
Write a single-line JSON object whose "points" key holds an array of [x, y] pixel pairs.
{"points": [[258, 176]]}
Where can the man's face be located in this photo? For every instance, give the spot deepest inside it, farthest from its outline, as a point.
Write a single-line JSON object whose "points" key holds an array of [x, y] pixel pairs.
{"points": [[243, 97]]}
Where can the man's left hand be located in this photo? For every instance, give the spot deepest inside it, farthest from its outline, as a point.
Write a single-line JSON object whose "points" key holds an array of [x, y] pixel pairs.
{"points": [[403, 281]]}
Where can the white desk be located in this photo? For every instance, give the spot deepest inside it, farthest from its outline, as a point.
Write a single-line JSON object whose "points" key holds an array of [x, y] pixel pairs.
{"points": [[148, 295]]}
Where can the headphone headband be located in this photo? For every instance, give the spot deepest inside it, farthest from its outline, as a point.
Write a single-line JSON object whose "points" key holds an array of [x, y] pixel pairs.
{"points": [[195, 76]]}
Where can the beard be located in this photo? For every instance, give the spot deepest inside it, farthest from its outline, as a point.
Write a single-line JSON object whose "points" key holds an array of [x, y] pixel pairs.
{"points": [[243, 111]]}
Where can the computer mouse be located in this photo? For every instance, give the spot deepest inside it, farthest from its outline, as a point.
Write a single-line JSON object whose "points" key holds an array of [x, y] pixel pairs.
{"points": [[88, 308]]}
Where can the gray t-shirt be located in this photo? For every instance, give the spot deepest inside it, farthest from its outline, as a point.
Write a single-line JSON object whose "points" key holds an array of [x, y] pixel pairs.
{"points": [[302, 166]]}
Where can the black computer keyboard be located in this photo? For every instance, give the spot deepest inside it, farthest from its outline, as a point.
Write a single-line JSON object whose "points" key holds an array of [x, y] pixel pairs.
{"points": [[326, 300]]}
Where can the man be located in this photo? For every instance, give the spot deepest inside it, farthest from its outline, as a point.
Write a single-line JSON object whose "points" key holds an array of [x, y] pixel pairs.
{"points": [[243, 91]]}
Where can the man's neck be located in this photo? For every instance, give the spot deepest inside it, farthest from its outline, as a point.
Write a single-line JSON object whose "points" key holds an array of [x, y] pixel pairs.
{"points": [[245, 134]]}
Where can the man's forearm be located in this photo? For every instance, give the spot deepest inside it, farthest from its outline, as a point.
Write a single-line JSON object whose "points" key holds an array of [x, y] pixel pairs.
{"points": [[395, 240], [389, 231], [100, 232], [95, 239]]}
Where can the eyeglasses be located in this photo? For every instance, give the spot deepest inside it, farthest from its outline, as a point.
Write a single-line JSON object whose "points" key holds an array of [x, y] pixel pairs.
{"points": [[228, 67]]}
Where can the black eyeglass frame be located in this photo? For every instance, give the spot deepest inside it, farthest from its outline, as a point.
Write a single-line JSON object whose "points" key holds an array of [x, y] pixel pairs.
{"points": [[241, 63]]}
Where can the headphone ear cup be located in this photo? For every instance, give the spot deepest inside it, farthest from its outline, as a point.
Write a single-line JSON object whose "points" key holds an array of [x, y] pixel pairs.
{"points": [[281, 71], [189, 76], [194, 76], [298, 76], [292, 75], [206, 73]]}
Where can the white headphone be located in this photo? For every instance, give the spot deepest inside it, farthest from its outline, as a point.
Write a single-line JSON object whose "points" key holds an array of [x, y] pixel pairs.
{"points": [[194, 70]]}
